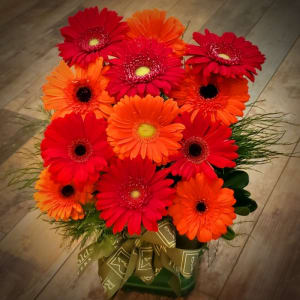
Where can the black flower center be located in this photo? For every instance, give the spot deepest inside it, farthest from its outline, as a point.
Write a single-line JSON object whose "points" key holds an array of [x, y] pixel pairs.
{"points": [[195, 150], [80, 150], [84, 94], [67, 191], [201, 207], [208, 91]]}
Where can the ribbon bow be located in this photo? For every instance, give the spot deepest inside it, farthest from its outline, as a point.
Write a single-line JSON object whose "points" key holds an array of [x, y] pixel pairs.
{"points": [[143, 256]]}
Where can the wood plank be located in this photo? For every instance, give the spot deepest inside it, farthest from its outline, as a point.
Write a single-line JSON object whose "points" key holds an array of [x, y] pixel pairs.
{"points": [[281, 94], [236, 16], [269, 266], [13, 8], [27, 261], [275, 34], [12, 132], [26, 99], [15, 204], [20, 51], [195, 13]]}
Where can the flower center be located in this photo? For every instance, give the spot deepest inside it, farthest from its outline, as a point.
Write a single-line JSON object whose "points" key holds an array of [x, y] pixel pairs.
{"points": [[84, 94], [142, 71], [208, 91], [224, 56], [143, 67], [67, 191], [195, 150], [94, 42], [93, 39], [146, 130], [80, 150], [135, 194], [201, 207]]}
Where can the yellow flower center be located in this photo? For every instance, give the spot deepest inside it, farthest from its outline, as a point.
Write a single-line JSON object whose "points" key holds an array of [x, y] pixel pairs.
{"points": [[135, 194], [224, 56], [146, 130], [94, 42], [142, 71]]}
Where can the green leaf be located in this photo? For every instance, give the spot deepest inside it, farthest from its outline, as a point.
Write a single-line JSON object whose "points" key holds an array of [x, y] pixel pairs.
{"points": [[241, 193], [242, 210], [229, 235], [252, 206], [164, 96], [241, 198], [236, 179]]}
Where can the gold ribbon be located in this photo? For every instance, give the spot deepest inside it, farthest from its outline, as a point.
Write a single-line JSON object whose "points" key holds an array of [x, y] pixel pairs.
{"points": [[143, 256]]}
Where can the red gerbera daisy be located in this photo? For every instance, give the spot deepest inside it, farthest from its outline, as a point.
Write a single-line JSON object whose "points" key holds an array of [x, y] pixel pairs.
{"points": [[75, 148], [144, 66], [204, 144], [228, 55], [91, 34], [133, 193]]}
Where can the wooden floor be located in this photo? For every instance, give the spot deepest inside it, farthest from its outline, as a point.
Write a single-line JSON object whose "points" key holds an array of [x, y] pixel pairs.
{"points": [[263, 262]]}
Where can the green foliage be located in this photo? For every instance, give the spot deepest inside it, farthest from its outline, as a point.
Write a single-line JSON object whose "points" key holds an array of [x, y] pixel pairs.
{"points": [[256, 135], [164, 96], [242, 211], [235, 179], [229, 235], [34, 124], [91, 228]]}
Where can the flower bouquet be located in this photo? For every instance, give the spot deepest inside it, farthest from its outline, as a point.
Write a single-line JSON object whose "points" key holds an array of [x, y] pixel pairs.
{"points": [[144, 152]]}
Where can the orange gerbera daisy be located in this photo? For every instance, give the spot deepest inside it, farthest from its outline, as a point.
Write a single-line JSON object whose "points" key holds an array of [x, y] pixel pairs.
{"points": [[202, 208], [61, 201], [153, 24], [145, 127], [218, 98], [81, 92]]}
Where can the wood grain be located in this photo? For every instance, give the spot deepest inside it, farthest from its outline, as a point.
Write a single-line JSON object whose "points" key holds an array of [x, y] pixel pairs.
{"points": [[269, 266], [237, 16], [20, 51], [34, 266], [275, 34], [30, 254]]}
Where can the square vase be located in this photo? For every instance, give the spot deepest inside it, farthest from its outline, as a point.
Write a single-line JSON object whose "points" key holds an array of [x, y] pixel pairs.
{"points": [[160, 285]]}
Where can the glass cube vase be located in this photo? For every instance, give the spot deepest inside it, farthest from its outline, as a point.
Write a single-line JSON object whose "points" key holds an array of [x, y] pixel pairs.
{"points": [[160, 285]]}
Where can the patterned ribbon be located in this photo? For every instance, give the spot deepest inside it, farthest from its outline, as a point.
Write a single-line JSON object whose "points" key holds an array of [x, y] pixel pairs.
{"points": [[143, 256]]}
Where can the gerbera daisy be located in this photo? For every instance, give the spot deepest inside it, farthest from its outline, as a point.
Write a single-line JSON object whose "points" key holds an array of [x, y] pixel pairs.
{"points": [[143, 66], [217, 98], [75, 148], [91, 34], [152, 23], [145, 127], [204, 145], [61, 201], [202, 208], [81, 92], [228, 55], [133, 193]]}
